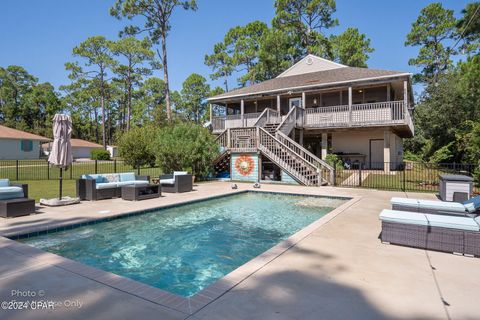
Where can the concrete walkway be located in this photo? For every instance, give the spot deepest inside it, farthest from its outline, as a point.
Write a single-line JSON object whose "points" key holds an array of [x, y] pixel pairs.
{"points": [[339, 271]]}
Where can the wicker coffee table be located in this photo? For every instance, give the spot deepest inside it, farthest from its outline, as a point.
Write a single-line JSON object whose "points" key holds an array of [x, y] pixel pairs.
{"points": [[141, 192]]}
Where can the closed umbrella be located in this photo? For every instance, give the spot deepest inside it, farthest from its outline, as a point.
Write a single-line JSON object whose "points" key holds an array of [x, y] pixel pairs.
{"points": [[61, 152]]}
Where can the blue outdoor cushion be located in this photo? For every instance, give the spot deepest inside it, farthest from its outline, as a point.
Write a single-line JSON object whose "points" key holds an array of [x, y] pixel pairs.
{"points": [[10, 193], [127, 176], [106, 185], [404, 217], [475, 201], [97, 177], [4, 183], [461, 223]]}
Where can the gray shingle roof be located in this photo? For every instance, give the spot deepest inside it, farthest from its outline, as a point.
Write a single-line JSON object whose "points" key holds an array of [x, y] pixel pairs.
{"points": [[313, 79]]}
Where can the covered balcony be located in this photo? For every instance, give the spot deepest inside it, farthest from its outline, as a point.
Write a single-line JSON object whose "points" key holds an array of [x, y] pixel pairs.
{"points": [[385, 104]]}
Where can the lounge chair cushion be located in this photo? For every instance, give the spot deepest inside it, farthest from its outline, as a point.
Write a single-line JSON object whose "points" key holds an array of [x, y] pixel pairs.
{"points": [[179, 173], [111, 177], [11, 193], [167, 181], [475, 201], [443, 206], [461, 223], [406, 202], [106, 185], [404, 217], [440, 206], [4, 183], [127, 176]]}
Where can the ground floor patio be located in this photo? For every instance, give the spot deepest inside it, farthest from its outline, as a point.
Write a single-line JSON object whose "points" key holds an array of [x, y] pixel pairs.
{"points": [[339, 270]]}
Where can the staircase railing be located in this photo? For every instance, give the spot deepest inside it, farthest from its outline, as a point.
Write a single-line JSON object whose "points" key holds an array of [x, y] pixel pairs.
{"points": [[287, 158], [222, 141], [290, 121], [324, 168], [267, 116]]}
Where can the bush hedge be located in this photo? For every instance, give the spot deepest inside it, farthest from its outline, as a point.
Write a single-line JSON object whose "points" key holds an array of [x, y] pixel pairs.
{"points": [[99, 154]]}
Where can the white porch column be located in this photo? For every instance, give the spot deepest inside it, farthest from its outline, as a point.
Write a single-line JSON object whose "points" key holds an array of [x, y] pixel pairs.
{"points": [[324, 145], [349, 106], [211, 113], [405, 98], [242, 109], [278, 105], [386, 150], [304, 100]]}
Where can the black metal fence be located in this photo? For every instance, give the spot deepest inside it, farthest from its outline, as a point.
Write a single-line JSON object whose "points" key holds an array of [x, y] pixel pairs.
{"points": [[405, 176], [22, 170]]}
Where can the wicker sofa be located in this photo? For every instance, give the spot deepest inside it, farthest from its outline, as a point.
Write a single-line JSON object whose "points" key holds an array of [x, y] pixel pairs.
{"points": [[179, 181], [447, 233], [14, 200], [105, 186]]}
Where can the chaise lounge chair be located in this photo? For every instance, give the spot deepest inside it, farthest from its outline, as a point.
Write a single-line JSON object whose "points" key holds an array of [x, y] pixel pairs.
{"points": [[179, 181], [14, 201], [468, 208], [445, 233]]}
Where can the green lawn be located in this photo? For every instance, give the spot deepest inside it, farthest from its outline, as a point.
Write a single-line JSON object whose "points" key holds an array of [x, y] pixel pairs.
{"points": [[48, 188]]}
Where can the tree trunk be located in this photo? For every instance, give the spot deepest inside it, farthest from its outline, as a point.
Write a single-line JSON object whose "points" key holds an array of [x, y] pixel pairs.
{"points": [[165, 77], [97, 134], [104, 132], [129, 97]]}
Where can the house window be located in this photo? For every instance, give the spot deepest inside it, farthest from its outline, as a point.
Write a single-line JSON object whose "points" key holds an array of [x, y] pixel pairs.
{"points": [[26, 145]]}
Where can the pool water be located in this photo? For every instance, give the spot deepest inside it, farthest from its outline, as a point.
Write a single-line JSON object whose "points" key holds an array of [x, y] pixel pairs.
{"points": [[186, 248]]}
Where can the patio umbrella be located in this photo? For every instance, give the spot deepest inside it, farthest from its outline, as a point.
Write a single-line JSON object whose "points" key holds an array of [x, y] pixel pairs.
{"points": [[61, 153]]}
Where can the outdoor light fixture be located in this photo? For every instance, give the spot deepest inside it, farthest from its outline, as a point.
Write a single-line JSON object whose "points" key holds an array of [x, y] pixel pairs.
{"points": [[314, 100], [360, 91]]}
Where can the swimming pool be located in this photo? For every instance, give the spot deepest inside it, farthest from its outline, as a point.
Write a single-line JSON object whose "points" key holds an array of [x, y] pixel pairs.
{"points": [[184, 249]]}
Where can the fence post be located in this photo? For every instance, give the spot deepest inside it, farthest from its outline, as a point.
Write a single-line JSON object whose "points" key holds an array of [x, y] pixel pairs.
{"points": [[16, 170], [71, 169], [138, 170], [114, 165], [48, 171], [334, 173], [404, 177], [96, 166], [360, 174]]}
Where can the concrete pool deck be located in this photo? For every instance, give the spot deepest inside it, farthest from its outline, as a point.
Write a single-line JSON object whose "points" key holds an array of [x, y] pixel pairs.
{"points": [[339, 270]]}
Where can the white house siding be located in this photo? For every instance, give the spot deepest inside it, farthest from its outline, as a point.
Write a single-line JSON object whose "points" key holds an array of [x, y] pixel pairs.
{"points": [[10, 149], [359, 142], [82, 152]]}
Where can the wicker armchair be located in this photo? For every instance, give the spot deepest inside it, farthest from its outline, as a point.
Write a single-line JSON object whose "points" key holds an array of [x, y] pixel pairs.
{"points": [[176, 183]]}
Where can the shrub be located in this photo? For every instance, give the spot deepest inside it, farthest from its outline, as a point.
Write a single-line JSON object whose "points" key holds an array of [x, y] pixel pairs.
{"points": [[99, 154], [136, 146], [332, 159], [186, 147]]}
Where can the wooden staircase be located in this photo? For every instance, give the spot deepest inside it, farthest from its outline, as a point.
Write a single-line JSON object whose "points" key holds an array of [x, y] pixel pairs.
{"points": [[270, 137]]}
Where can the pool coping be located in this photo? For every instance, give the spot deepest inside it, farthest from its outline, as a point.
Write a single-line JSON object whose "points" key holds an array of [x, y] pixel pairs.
{"points": [[186, 305]]}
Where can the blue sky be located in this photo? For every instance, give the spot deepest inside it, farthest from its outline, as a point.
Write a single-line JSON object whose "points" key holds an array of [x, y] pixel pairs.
{"points": [[40, 35]]}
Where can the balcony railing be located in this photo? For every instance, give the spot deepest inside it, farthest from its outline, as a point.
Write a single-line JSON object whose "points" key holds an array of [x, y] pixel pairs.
{"points": [[359, 115]]}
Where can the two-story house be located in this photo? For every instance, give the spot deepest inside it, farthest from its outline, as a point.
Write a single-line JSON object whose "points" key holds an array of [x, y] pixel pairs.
{"points": [[282, 129]]}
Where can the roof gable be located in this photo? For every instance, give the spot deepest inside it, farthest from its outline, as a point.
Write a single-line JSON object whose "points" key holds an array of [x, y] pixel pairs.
{"points": [[308, 64]]}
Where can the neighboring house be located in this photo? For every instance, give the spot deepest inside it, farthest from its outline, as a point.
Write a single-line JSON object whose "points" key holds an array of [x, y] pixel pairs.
{"points": [[19, 145], [314, 108], [81, 149]]}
